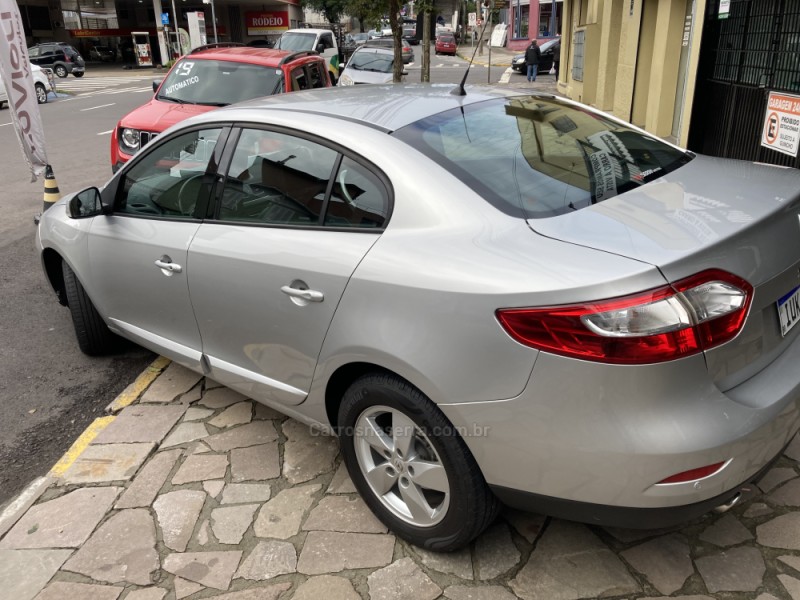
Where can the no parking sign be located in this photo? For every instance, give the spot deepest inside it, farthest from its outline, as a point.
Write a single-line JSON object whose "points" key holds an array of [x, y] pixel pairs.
{"points": [[782, 124]]}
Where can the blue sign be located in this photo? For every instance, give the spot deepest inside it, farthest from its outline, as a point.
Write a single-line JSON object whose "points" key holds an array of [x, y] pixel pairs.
{"points": [[165, 18]]}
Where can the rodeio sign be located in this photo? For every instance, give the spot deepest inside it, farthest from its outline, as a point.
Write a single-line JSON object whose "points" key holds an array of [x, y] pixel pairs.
{"points": [[259, 23]]}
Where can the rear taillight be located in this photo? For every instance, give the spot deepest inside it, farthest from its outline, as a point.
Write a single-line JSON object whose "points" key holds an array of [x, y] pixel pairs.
{"points": [[67, 58], [694, 474], [691, 315]]}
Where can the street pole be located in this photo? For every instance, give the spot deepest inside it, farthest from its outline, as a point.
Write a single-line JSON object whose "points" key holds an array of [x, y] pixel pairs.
{"points": [[489, 17], [214, 20], [553, 31], [175, 28]]}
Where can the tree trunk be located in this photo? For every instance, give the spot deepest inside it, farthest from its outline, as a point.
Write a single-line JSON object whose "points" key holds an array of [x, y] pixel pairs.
{"points": [[397, 34], [426, 47]]}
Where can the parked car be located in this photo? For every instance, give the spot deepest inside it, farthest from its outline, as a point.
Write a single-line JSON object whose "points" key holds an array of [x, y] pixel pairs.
{"points": [[557, 309], [43, 84], [102, 54], [546, 52], [357, 39], [322, 41], [410, 35], [62, 58], [446, 44], [388, 42], [208, 78], [369, 64]]}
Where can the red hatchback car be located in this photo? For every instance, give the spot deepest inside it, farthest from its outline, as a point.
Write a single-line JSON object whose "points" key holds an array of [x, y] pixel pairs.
{"points": [[446, 44], [209, 77]]}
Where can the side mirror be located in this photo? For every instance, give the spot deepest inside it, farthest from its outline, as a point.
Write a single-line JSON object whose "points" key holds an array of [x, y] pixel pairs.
{"points": [[156, 83], [86, 204], [320, 48]]}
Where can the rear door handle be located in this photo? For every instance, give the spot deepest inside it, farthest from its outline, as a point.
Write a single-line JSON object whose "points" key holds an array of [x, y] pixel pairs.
{"points": [[168, 266], [308, 295]]}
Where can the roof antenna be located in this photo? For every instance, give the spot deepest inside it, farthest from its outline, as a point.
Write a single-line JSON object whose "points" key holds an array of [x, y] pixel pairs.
{"points": [[460, 91]]}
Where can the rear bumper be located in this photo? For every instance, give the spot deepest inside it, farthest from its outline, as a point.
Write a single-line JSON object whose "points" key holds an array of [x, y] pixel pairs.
{"points": [[626, 517], [591, 439]]}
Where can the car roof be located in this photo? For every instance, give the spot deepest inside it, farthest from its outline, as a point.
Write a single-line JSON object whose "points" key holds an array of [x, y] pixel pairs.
{"points": [[387, 107], [268, 57]]}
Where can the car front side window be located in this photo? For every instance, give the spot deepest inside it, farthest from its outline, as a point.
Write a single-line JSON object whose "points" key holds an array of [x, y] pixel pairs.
{"points": [[172, 179]]}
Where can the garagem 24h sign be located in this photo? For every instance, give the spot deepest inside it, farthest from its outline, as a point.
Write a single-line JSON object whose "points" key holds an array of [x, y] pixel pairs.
{"points": [[782, 124]]}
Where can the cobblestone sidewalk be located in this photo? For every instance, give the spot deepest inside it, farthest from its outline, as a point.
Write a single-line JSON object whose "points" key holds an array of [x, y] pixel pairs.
{"points": [[196, 492]]}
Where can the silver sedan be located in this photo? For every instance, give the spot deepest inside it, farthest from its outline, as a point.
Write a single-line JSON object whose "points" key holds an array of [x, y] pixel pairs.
{"points": [[489, 297]]}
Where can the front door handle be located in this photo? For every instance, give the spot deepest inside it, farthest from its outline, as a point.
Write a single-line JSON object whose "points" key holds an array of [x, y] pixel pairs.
{"points": [[307, 295], [167, 265]]}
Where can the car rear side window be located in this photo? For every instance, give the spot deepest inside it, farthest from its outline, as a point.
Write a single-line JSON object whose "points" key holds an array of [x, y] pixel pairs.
{"points": [[537, 157], [358, 198], [276, 179]]}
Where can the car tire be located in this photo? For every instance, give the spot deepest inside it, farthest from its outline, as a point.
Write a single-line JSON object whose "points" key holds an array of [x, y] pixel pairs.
{"points": [[79, 74], [443, 519], [60, 71], [93, 335], [41, 93]]}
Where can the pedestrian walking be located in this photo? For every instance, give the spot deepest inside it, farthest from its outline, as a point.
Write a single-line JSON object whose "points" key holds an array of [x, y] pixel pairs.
{"points": [[556, 60], [532, 60]]}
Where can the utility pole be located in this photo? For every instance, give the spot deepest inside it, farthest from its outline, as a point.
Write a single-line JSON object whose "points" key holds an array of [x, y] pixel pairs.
{"points": [[425, 72]]}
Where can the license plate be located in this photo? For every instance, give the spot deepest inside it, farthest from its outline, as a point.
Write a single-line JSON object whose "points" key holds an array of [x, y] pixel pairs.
{"points": [[789, 310]]}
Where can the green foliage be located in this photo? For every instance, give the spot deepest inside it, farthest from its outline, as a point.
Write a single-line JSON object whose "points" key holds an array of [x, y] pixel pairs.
{"points": [[332, 9], [367, 11]]}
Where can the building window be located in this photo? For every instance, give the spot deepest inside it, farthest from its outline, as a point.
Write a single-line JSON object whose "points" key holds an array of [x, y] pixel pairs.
{"points": [[521, 19], [546, 27], [578, 44]]}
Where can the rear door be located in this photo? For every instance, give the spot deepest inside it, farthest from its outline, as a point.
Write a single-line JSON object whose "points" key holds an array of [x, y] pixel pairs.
{"points": [[270, 266]]}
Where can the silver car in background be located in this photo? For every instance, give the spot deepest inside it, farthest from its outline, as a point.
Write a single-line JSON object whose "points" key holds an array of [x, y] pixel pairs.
{"points": [[497, 296], [369, 64]]}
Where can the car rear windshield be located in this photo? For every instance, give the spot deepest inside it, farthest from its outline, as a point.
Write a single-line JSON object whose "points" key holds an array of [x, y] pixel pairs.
{"points": [[296, 41], [538, 157], [218, 83], [447, 39]]}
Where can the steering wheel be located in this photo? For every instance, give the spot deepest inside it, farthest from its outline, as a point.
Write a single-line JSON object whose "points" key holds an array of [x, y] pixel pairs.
{"points": [[188, 193], [348, 198]]}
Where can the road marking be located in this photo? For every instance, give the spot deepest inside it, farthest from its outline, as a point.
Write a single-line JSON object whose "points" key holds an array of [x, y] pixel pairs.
{"points": [[140, 384], [127, 397], [94, 107], [106, 132], [506, 75], [77, 448], [4, 124]]}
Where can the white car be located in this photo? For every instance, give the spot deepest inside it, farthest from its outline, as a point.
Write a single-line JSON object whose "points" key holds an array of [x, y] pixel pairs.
{"points": [[369, 64], [43, 82]]}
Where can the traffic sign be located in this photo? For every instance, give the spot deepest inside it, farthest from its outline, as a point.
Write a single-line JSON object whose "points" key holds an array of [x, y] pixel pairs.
{"points": [[165, 18]]}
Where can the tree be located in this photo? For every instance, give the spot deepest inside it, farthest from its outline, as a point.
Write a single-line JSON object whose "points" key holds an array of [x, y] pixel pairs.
{"points": [[332, 9], [369, 11]]}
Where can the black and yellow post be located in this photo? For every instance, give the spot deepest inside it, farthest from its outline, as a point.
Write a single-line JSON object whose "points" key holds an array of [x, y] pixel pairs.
{"points": [[51, 194]]}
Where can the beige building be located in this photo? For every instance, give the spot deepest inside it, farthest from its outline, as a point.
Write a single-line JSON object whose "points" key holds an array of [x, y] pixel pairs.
{"points": [[705, 74], [637, 59]]}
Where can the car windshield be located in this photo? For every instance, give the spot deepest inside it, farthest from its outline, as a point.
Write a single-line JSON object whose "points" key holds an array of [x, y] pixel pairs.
{"points": [[296, 41], [380, 62], [217, 82], [536, 157]]}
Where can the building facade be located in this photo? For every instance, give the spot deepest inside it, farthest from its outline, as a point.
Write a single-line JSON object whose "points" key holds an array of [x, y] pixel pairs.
{"points": [[701, 73]]}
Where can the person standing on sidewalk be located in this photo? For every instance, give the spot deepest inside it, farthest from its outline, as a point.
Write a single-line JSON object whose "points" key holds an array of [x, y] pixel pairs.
{"points": [[532, 60]]}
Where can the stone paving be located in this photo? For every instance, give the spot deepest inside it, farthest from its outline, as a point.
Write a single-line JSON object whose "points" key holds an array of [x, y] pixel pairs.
{"points": [[197, 492]]}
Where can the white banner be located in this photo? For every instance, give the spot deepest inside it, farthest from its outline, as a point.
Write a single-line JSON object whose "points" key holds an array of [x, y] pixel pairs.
{"points": [[15, 71]]}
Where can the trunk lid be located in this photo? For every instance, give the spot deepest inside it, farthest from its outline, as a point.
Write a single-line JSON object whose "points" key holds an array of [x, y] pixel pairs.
{"points": [[710, 213]]}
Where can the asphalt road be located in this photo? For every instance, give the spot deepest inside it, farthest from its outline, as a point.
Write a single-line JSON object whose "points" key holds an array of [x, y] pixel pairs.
{"points": [[50, 391]]}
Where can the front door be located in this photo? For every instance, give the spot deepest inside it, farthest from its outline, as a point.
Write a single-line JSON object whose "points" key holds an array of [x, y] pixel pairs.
{"points": [[138, 254], [292, 223]]}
